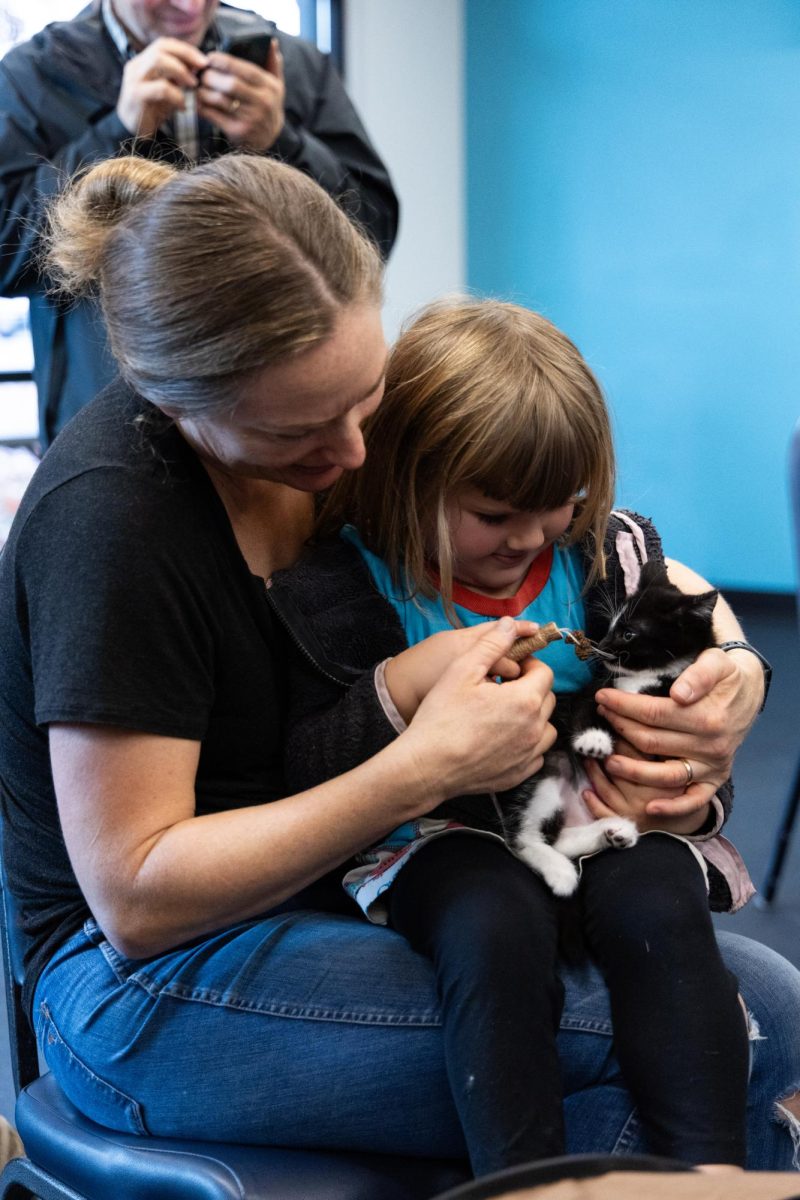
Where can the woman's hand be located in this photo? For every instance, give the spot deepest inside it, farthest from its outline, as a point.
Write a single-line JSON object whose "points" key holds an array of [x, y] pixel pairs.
{"points": [[620, 798], [411, 675], [470, 735], [702, 722], [694, 732]]}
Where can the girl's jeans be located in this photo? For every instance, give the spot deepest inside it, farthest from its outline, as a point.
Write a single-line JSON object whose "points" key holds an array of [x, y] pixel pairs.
{"points": [[314, 1029]]}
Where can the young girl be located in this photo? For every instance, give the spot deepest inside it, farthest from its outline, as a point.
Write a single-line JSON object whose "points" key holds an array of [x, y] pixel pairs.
{"points": [[487, 493]]}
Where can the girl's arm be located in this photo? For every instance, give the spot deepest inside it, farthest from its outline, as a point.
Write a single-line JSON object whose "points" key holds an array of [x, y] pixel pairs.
{"points": [[330, 731], [411, 675], [704, 720], [156, 875]]}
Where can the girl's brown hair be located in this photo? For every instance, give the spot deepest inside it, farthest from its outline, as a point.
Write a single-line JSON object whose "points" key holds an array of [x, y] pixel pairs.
{"points": [[478, 394], [208, 274]]}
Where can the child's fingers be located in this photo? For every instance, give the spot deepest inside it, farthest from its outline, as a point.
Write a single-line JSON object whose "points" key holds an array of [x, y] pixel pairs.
{"points": [[488, 655], [596, 806], [692, 800], [603, 799], [506, 668]]}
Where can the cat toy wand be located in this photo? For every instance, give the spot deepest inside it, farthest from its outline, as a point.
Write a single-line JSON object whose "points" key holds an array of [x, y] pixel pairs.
{"points": [[548, 633]]}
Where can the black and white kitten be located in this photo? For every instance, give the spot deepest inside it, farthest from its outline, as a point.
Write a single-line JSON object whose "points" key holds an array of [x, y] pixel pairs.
{"points": [[656, 633]]}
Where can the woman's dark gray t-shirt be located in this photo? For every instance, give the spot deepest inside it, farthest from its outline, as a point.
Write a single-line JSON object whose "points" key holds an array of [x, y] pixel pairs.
{"points": [[124, 601]]}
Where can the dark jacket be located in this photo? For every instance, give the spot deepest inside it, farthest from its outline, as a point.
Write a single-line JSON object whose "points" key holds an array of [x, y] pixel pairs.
{"points": [[58, 96], [342, 627]]}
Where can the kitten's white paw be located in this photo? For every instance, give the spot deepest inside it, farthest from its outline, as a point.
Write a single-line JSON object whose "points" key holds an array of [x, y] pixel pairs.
{"points": [[593, 743], [560, 876], [621, 833]]}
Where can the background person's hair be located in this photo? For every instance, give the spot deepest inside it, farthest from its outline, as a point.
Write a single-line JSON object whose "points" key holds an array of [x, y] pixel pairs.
{"points": [[478, 394], [205, 275]]}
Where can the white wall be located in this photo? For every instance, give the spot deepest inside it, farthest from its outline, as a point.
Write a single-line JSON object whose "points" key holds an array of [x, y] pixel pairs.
{"points": [[404, 62]]}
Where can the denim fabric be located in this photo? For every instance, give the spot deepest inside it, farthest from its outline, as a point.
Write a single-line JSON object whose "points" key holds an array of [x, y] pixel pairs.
{"points": [[310, 1029]]}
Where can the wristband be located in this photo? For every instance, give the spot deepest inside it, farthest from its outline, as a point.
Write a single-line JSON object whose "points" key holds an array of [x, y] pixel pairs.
{"points": [[765, 665]]}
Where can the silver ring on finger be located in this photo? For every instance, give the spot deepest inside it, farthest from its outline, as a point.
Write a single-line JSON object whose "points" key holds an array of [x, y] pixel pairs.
{"points": [[689, 769], [234, 106]]}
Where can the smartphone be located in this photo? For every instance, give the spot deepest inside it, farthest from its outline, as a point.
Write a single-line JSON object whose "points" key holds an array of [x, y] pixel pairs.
{"points": [[253, 47]]}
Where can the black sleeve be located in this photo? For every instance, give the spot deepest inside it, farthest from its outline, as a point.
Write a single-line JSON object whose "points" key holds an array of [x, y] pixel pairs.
{"points": [[323, 742], [118, 594], [324, 136], [37, 155], [332, 729], [340, 628]]}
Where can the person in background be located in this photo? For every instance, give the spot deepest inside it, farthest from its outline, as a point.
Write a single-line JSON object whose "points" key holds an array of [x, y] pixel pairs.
{"points": [[148, 76]]}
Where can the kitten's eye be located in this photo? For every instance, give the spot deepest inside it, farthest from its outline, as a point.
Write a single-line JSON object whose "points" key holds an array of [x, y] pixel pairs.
{"points": [[627, 635]]}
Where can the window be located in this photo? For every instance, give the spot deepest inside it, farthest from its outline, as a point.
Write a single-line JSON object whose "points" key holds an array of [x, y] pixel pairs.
{"points": [[316, 20]]}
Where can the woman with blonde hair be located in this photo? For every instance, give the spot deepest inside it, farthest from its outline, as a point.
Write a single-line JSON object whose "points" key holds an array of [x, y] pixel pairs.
{"points": [[193, 968]]}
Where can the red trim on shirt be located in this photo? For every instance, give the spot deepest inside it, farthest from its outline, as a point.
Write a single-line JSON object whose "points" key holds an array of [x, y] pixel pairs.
{"points": [[506, 606]]}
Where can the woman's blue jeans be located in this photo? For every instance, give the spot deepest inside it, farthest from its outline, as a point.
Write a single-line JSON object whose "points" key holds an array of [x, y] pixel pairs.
{"points": [[310, 1029]]}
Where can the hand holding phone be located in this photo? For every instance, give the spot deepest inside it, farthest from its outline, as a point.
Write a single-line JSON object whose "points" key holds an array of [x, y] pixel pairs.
{"points": [[253, 47], [242, 89]]}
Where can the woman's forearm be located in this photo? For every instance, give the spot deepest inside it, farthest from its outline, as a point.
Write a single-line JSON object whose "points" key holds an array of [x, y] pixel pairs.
{"points": [[154, 874], [206, 872]]}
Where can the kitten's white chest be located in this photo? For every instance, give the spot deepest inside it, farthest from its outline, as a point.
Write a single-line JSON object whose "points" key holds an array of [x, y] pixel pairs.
{"points": [[636, 681], [640, 681]]}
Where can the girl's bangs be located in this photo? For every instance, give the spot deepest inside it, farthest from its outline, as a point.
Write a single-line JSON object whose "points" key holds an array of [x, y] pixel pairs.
{"points": [[536, 474]]}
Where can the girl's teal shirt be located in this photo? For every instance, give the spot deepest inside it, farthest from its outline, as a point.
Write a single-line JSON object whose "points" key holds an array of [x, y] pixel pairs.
{"points": [[552, 590]]}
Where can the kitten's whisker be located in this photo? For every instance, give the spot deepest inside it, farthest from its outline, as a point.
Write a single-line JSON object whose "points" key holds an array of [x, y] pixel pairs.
{"points": [[607, 605], [596, 651], [569, 636]]}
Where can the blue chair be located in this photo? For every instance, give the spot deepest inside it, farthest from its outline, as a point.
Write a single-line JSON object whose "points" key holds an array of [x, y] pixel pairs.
{"points": [[783, 836], [70, 1158]]}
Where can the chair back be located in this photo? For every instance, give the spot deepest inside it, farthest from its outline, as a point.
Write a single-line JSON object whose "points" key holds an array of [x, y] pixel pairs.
{"points": [[21, 1038]]}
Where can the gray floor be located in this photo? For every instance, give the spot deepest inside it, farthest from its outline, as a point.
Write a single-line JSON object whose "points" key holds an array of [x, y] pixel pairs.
{"points": [[764, 770]]}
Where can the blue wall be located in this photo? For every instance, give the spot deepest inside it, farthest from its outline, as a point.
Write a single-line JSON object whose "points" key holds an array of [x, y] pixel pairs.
{"points": [[633, 172]]}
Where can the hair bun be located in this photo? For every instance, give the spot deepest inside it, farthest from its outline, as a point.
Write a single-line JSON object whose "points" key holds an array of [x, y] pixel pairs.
{"points": [[81, 219]]}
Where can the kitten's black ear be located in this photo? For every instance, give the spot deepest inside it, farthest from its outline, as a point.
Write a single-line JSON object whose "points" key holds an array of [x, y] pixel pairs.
{"points": [[652, 572], [700, 605], [705, 603]]}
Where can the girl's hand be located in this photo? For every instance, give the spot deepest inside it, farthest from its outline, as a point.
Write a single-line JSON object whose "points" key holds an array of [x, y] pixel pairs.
{"points": [[703, 721], [677, 811], [469, 735], [411, 675]]}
